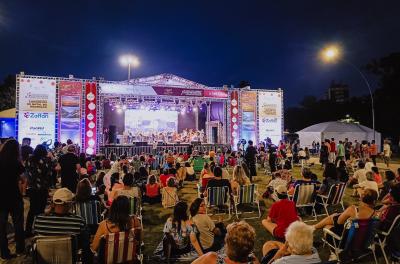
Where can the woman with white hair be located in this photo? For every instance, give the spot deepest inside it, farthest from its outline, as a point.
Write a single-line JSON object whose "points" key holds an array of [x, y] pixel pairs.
{"points": [[298, 248]]}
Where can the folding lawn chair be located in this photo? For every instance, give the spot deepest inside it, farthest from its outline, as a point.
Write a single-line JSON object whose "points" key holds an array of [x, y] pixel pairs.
{"points": [[334, 197], [304, 196], [218, 197], [247, 195]]}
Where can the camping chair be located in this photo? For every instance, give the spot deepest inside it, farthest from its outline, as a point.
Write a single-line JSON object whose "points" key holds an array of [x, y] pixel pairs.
{"points": [[169, 199], [247, 194], [135, 208], [304, 196], [383, 235], [334, 197], [198, 164], [89, 211], [120, 247], [218, 197], [356, 241], [54, 249]]}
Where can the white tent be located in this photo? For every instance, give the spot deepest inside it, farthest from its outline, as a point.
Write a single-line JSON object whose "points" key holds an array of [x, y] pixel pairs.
{"points": [[339, 131]]}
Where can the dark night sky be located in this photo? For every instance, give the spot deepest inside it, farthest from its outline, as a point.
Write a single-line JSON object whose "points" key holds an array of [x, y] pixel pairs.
{"points": [[269, 43]]}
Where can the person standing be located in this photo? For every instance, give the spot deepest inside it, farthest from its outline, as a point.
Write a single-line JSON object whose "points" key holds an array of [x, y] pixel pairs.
{"points": [[38, 168], [26, 149], [250, 158], [340, 152], [373, 151], [332, 151], [11, 202], [386, 152], [69, 163]]}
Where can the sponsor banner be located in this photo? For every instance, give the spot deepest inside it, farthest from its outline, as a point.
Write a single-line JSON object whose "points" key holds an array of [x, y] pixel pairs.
{"points": [[270, 116], [36, 116], [37, 95], [223, 94], [248, 101], [120, 88], [69, 122], [146, 90], [234, 116], [90, 118], [178, 91]]}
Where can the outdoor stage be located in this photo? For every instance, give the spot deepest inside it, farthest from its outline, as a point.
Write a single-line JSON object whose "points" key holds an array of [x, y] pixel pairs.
{"points": [[108, 116]]}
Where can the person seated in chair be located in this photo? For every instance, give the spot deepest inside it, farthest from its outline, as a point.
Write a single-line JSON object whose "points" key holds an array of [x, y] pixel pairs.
{"points": [[298, 248], [59, 222], [217, 181], [119, 221], [211, 235], [281, 214]]}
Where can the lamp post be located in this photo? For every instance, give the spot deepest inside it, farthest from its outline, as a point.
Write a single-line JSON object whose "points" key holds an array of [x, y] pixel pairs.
{"points": [[130, 61], [331, 54]]}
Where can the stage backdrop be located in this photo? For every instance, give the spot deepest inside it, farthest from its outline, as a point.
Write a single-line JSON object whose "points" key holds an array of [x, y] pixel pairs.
{"points": [[249, 115], [137, 121], [270, 116], [70, 97], [36, 116]]}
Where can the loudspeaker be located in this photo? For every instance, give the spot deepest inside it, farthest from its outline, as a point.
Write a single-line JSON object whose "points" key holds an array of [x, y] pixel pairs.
{"points": [[112, 134]]}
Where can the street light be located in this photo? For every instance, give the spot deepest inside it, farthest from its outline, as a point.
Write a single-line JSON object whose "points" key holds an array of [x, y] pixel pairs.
{"points": [[130, 61], [332, 53]]}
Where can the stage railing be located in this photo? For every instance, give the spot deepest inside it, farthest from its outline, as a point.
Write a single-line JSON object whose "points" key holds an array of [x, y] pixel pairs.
{"points": [[132, 150]]}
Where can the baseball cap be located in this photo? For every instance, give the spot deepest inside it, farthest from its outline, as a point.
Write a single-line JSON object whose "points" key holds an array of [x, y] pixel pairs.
{"points": [[281, 189], [62, 196]]}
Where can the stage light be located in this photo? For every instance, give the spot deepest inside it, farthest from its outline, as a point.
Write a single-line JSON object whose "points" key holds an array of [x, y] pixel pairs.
{"points": [[118, 106], [142, 107], [119, 110], [173, 108], [124, 107], [162, 108], [147, 108], [195, 109]]}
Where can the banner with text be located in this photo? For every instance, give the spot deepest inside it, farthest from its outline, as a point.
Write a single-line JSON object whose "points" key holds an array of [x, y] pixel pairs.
{"points": [[234, 116], [36, 116], [69, 122], [270, 116], [248, 101]]}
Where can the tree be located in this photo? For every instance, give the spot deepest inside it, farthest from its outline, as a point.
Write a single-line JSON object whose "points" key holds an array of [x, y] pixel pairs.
{"points": [[7, 93], [243, 84]]}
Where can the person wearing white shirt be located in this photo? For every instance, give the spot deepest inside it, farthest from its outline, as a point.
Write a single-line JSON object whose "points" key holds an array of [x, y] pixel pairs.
{"points": [[386, 153], [359, 175], [370, 183]]}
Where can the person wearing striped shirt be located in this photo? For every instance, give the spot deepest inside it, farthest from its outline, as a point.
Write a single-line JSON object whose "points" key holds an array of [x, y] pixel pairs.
{"points": [[59, 222]]}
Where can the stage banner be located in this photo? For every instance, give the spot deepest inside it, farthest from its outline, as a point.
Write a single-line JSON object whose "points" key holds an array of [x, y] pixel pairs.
{"points": [[36, 116], [221, 94], [248, 102], [234, 116], [270, 116], [90, 118], [69, 119], [124, 88]]}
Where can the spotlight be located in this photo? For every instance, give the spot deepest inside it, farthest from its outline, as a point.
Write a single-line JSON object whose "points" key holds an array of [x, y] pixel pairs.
{"points": [[119, 110], [173, 108], [142, 107], [124, 107], [183, 111], [195, 109]]}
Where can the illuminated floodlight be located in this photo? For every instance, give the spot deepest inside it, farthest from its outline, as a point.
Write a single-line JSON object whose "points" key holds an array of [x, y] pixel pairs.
{"points": [[129, 60], [119, 110], [330, 53], [195, 109], [124, 107]]}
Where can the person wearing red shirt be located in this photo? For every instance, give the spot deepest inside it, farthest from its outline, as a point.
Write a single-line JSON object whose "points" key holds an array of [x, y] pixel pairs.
{"points": [[165, 175], [281, 214], [332, 151]]}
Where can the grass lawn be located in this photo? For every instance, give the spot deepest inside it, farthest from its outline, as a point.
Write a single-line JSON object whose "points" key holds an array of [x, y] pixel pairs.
{"points": [[155, 216]]}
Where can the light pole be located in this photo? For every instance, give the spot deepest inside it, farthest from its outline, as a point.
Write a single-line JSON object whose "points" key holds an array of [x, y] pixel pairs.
{"points": [[130, 61], [332, 53]]}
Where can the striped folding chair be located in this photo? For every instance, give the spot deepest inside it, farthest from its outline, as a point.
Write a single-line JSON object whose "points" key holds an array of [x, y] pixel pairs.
{"points": [[218, 197], [135, 208], [54, 249], [334, 197], [304, 196], [247, 196], [120, 247], [89, 211]]}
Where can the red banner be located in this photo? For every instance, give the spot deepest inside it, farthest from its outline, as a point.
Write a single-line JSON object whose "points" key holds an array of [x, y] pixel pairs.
{"points": [[69, 124], [223, 94], [90, 119], [234, 111]]}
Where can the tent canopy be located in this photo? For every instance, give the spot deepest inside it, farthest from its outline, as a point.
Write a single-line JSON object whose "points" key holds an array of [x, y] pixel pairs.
{"points": [[337, 130], [9, 113]]}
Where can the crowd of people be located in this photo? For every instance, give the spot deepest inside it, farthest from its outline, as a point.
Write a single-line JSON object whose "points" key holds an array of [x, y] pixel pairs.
{"points": [[54, 179]]}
